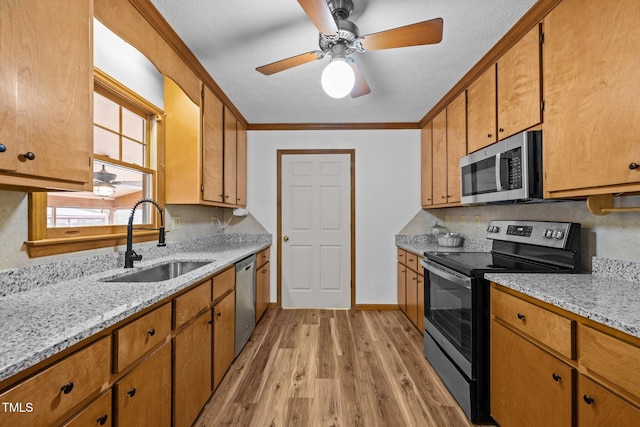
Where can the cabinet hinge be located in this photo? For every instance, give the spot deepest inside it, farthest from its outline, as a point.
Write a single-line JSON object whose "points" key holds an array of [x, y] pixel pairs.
{"points": [[201, 93], [541, 38], [90, 161], [202, 188], [542, 105]]}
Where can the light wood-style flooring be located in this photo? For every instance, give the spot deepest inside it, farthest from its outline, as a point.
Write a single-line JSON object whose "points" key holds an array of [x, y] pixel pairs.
{"points": [[332, 368]]}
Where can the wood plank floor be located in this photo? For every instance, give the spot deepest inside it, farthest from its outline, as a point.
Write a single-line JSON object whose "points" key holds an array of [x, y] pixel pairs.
{"points": [[332, 368]]}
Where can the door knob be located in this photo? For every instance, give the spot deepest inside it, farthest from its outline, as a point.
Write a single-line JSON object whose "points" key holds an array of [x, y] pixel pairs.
{"points": [[285, 238]]}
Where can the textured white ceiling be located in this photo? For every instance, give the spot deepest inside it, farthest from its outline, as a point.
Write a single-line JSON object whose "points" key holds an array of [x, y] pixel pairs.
{"points": [[233, 37]]}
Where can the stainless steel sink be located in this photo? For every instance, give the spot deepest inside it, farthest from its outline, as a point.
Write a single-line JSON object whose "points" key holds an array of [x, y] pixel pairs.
{"points": [[159, 273]]}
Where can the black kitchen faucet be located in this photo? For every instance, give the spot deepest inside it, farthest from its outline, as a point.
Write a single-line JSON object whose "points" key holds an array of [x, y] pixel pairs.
{"points": [[130, 255]]}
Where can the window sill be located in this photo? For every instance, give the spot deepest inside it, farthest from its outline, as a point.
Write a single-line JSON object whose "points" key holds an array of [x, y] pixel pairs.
{"points": [[57, 246]]}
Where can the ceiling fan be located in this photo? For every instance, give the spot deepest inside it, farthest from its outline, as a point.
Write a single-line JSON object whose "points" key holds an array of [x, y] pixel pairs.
{"points": [[104, 183], [340, 37]]}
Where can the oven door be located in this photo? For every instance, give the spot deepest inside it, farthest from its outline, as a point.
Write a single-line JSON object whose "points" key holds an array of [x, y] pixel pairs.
{"points": [[449, 312]]}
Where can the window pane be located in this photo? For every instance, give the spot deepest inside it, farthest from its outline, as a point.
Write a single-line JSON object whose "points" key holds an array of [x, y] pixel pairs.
{"points": [[106, 143], [133, 125], [106, 112], [133, 152]]}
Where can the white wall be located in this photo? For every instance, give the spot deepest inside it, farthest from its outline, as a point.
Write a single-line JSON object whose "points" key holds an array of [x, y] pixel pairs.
{"points": [[387, 190]]}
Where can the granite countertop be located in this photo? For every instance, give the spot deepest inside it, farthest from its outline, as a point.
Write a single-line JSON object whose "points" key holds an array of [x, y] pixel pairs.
{"points": [[419, 244], [607, 300], [40, 322]]}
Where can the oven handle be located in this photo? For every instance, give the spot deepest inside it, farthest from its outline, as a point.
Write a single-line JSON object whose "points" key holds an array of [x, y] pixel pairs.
{"points": [[445, 273]]}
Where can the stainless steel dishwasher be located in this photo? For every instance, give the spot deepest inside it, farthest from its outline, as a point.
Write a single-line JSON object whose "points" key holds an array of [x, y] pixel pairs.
{"points": [[245, 301]]}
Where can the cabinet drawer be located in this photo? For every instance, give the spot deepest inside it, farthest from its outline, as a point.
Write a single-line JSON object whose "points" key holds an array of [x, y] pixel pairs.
{"points": [[263, 256], [402, 256], [140, 336], [412, 261], [56, 390], [551, 329], [223, 282], [96, 414], [610, 358], [599, 407], [186, 306]]}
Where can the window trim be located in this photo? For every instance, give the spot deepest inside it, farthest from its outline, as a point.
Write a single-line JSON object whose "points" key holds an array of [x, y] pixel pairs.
{"points": [[44, 241]]}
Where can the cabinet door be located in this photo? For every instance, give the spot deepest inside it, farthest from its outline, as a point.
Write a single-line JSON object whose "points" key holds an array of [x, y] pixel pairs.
{"points": [[456, 144], [223, 336], [529, 387], [440, 158], [412, 296], [96, 414], [482, 111], [9, 148], [590, 67], [230, 156], [55, 89], [192, 370], [519, 86], [402, 287], [599, 407], [420, 303], [143, 397], [212, 148], [241, 166], [263, 291], [427, 165]]}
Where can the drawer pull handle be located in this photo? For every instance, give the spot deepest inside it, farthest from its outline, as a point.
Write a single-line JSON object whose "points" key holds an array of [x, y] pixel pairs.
{"points": [[131, 392], [588, 399], [3, 148], [29, 155], [66, 389], [152, 332], [520, 316], [634, 166], [210, 322], [556, 377], [102, 420], [219, 314]]}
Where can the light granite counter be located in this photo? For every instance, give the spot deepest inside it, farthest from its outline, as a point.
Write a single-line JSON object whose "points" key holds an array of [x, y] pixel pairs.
{"points": [[610, 295], [421, 243], [39, 320]]}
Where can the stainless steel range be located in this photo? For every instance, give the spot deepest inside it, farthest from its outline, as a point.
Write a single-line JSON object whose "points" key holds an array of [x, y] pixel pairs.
{"points": [[456, 317]]}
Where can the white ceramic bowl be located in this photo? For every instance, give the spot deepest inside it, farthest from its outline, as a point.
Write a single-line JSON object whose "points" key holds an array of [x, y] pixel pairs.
{"points": [[450, 240]]}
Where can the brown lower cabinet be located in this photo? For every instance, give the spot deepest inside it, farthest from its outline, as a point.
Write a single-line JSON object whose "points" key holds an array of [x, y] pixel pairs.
{"points": [[550, 367], [411, 288], [224, 318], [192, 370], [143, 396], [99, 413]]}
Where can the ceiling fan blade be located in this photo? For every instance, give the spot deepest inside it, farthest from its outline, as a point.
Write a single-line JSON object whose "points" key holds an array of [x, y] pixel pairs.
{"points": [[285, 64], [426, 32], [360, 87], [320, 15]]}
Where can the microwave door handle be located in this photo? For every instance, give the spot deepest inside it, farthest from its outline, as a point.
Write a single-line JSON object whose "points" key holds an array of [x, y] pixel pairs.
{"points": [[498, 173]]}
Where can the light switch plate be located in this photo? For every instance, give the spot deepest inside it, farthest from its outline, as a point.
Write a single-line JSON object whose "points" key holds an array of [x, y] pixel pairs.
{"points": [[175, 223]]}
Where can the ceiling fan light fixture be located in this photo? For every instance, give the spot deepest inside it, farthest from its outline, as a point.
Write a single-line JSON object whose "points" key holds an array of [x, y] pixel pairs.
{"points": [[338, 78], [104, 190]]}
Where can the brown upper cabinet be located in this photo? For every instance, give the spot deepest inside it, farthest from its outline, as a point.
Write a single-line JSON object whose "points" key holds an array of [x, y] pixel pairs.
{"points": [[207, 167], [449, 144], [591, 76], [46, 93], [506, 98], [427, 164]]}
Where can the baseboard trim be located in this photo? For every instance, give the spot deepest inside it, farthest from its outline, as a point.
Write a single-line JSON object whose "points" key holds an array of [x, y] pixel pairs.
{"points": [[376, 307]]}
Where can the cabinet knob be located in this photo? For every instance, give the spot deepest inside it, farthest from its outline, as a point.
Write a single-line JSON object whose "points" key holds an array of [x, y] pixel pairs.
{"points": [[520, 316], [131, 392], [444, 197], [210, 322], [634, 166], [588, 399], [151, 332], [500, 130], [556, 377], [489, 135], [66, 388], [102, 420], [3, 148], [28, 155], [219, 314]]}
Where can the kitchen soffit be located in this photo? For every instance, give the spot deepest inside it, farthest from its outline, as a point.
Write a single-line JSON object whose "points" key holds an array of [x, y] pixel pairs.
{"points": [[233, 37]]}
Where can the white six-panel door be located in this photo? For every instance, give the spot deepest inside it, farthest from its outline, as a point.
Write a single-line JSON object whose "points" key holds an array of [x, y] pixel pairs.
{"points": [[316, 231]]}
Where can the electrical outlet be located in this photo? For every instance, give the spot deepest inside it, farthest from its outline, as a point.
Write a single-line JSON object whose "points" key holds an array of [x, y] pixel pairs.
{"points": [[477, 221], [214, 220], [175, 223], [462, 220]]}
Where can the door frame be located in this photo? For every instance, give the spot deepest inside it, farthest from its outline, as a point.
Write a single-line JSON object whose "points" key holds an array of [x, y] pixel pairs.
{"points": [[352, 161]]}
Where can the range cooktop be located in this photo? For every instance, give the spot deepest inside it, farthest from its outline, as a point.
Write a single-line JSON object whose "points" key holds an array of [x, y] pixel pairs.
{"points": [[484, 262]]}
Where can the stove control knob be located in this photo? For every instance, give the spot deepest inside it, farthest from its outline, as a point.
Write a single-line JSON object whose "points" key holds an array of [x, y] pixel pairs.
{"points": [[496, 229], [559, 234]]}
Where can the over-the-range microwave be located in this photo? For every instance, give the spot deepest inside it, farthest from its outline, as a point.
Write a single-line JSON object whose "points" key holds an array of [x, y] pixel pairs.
{"points": [[507, 171]]}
